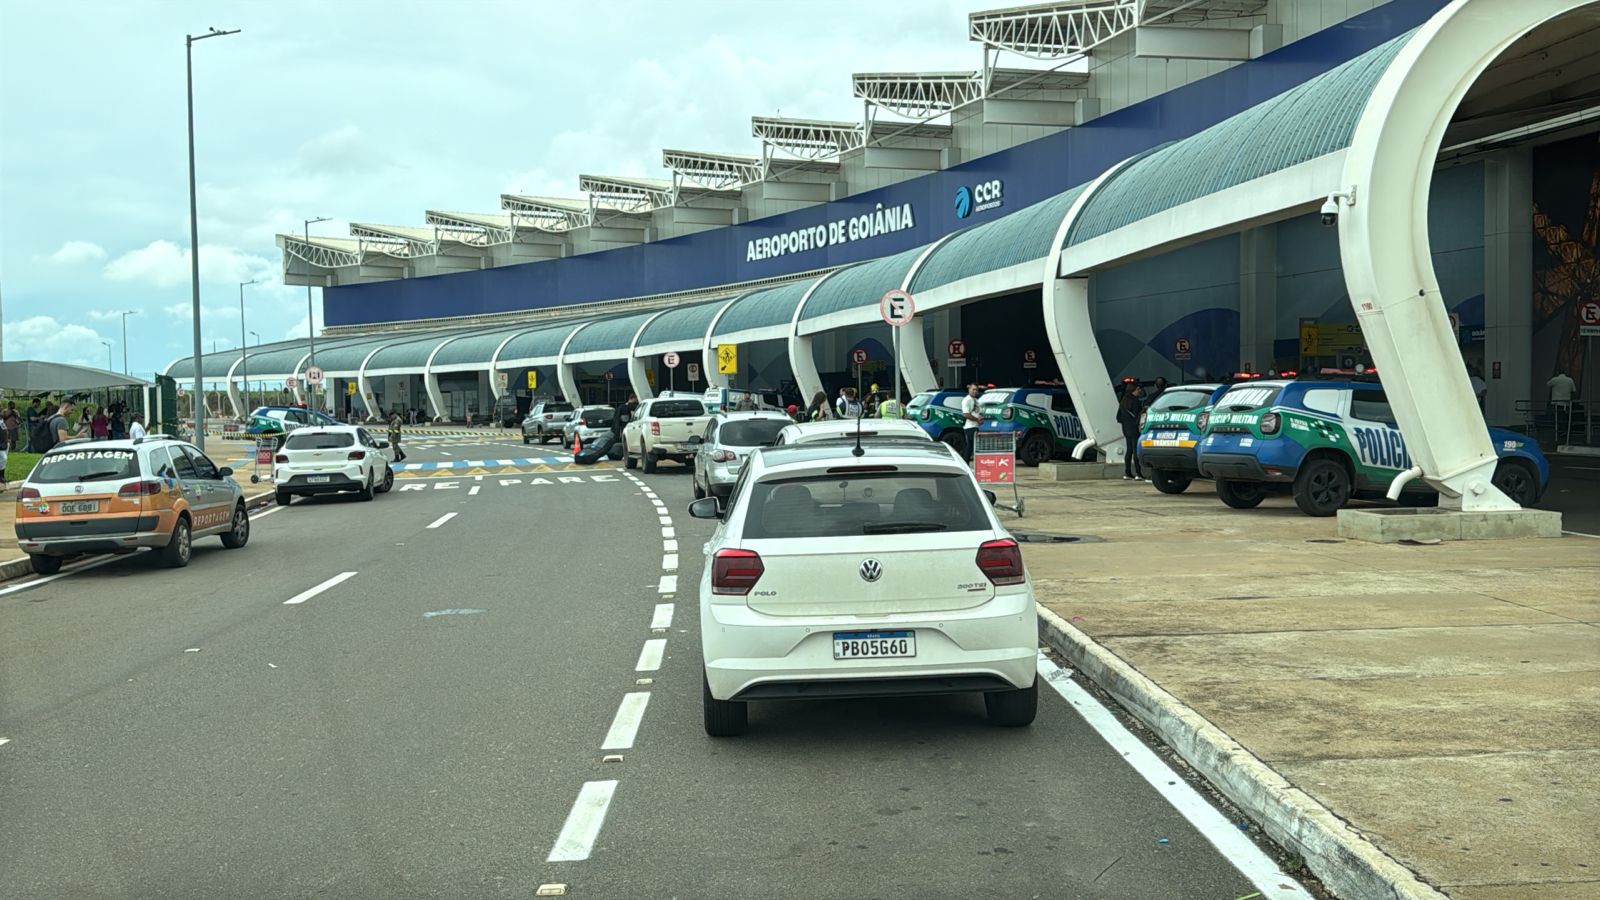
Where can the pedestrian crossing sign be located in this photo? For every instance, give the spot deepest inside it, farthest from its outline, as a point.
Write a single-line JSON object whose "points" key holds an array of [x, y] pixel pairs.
{"points": [[728, 359], [533, 379]]}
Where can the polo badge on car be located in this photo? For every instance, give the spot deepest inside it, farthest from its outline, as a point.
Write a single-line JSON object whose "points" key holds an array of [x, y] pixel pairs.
{"points": [[871, 570]]}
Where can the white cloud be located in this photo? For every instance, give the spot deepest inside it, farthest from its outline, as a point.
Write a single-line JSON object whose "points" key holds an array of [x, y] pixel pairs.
{"points": [[164, 264], [110, 315], [44, 338], [298, 329], [76, 253]]}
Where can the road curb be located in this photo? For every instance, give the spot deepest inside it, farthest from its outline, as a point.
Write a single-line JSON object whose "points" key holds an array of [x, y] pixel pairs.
{"points": [[1346, 862]]}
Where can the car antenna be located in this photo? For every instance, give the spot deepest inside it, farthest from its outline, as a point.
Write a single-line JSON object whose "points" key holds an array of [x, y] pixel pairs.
{"points": [[860, 410]]}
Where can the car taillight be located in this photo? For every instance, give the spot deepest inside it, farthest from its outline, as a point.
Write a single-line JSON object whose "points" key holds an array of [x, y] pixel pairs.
{"points": [[1006, 413], [1270, 423], [139, 489], [1001, 562], [1202, 421], [655, 428], [356, 454], [1143, 418], [281, 457], [583, 423], [549, 417], [735, 571], [723, 456], [28, 493]]}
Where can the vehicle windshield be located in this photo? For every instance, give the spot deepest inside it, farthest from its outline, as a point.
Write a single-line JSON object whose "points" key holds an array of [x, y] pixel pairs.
{"points": [[751, 432], [993, 398], [323, 418], [867, 503], [677, 409], [919, 401], [1246, 397], [1178, 399], [86, 465], [598, 415], [318, 440]]}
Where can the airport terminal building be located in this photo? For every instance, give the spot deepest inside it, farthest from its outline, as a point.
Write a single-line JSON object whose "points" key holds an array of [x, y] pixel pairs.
{"points": [[1120, 188]]}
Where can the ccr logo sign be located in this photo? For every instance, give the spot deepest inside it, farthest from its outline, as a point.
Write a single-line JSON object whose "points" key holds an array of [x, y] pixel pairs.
{"points": [[979, 198]]}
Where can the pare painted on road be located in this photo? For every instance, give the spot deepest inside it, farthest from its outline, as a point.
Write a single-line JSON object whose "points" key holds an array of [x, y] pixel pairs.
{"points": [[552, 480]]}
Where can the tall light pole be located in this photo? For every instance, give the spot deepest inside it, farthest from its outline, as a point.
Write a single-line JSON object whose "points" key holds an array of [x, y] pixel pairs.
{"points": [[108, 356], [247, 384], [194, 236], [311, 320], [131, 312], [244, 348]]}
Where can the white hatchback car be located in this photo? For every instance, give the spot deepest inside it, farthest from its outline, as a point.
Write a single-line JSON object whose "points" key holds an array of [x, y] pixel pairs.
{"points": [[847, 429], [886, 573], [332, 459]]}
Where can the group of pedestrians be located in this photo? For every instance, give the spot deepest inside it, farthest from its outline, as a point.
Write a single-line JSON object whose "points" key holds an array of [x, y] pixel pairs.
{"points": [[849, 404]]}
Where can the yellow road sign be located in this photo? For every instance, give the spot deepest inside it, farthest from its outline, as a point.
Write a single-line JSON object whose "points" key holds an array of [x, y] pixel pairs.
{"points": [[533, 379], [1308, 339], [350, 388], [728, 359], [650, 376]]}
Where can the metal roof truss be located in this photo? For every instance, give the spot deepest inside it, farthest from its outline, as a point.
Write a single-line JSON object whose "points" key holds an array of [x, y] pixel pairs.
{"points": [[1075, 27], [627, 194], [917, 95], [808, 138], [713, 171]]}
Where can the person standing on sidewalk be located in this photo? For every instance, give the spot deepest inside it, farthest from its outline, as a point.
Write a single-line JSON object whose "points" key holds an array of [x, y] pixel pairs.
{"points": [[100, 425], [35, 419], [136, 426], [1128, 417], [395, 435], [59, 430], [13, 423], [970, 420], [1562, 388]]}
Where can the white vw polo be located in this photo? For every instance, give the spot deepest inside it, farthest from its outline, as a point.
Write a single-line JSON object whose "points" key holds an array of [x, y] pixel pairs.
{"points": [[862, 571]]}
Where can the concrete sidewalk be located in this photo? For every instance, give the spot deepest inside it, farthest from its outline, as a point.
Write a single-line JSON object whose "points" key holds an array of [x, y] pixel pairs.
{"points": [[1442, 699]]}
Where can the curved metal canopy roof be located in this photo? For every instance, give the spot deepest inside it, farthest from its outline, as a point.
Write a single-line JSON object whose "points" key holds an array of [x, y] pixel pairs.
{"points": [[684, 325], [861, 285]]}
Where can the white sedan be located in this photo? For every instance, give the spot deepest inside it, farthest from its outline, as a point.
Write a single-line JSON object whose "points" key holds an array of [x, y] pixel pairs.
{"points": [[332, 459], [850, 429], [887, 573]]}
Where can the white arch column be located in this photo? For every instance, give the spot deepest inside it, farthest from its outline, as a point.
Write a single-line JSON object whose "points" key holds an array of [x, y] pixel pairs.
{"points": [[708, 353], [1383, 241], [234, 398], [299, 376], [802, 361], [637, 375], [567, 373], [364, 388], [915, 366], [1069, 327]]}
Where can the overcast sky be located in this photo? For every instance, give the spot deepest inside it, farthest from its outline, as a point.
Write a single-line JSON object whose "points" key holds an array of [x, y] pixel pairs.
{"points": [[366, 111]]}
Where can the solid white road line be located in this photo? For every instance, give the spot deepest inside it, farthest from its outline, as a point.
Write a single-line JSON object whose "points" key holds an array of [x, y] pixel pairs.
{"points": [[1232, 843], [265, 512], [669, 546], [4, 741], [669, 562], [626, 724], [474, 491], [583, 823], [663, 616], [650, 656], [668, 585], [305, 595], [442, 519], [46, 579]]}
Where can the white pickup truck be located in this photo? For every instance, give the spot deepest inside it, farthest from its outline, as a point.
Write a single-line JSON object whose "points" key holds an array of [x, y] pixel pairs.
{"points": [[661, 429]]}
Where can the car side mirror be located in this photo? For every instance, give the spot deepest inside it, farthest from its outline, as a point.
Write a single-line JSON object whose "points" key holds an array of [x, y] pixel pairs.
{"points": [[706, 508], [224, 472], [381, 444], [992, 498]]}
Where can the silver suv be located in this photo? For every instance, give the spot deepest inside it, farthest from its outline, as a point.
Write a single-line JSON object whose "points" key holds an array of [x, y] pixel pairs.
{"points": [[729, 437], [545, 421]]}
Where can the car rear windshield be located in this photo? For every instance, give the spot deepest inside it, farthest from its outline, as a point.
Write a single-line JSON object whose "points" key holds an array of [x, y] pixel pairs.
{"points": [[842, 505], [600, 415], [1180, 400], [1246, 397], [318, 440], [557, 407], [751, 432], [677, 409], [86, 465]]}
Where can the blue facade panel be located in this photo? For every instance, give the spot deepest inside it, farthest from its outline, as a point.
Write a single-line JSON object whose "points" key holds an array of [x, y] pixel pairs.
{"points": [[898, 217]]}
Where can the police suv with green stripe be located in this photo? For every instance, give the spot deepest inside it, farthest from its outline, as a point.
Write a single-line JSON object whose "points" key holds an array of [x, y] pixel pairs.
{"points": [[939, 414], [1168, 434], [1043, 418], [1325, 442]]}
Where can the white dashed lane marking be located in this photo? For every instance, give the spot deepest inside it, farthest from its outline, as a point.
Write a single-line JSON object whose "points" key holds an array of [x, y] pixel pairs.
{"points": [[663, 616], [625, 725], [668, 585], [441, 520], [669, 562], [307, 594], [650, 656], [583, 823]]}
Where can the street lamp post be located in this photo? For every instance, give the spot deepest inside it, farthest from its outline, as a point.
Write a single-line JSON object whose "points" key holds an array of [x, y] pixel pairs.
{"points": [[244, 349], [108, 356], [194, 237], [311, 320], [131, 312]]}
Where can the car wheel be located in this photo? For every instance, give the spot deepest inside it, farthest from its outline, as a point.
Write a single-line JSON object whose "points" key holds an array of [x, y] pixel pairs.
{"points": [[367, 492], [954, 439], [628, 461], [724, 718], [648, 463], [1241, 494], [282, 497], [239, 535], [388, 481], [526, 440], [1036, 448], [698, 492], [1012, 709], [45, 565], [1169, 483], [1517, 481], [175, 555], [1321, 487]]}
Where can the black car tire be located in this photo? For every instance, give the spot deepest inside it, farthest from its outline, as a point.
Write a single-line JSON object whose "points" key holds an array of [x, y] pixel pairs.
{"points": [[175, 555], [954, 439], [239, 535], [628, 461], [698, 492], [282, 497], [1169, 482], [1517, 480], [1241, 494], [388, 481], [526, 440], [1012, 709], [723, 718], [647, 462], [1036, 448], [1321, 487], [367, 491], [44, 565]]}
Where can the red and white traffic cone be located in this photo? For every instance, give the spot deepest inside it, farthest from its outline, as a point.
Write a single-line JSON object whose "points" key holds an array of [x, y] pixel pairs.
{"points": [[577, 443]]}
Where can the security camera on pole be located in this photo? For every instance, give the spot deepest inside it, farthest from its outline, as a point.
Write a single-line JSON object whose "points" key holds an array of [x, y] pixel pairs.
{"points": [[897, 308]]}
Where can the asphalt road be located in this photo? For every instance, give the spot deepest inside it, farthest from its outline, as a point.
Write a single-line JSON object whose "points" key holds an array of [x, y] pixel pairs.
{"points": [[426, 726], [1574, 491]]}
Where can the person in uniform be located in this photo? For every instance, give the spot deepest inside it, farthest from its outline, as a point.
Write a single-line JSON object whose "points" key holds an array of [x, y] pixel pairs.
{"points": [[394, 435]]}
